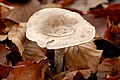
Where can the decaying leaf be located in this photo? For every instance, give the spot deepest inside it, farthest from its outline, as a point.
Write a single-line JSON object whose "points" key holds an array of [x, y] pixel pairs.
{"points": [[17, 15], [4, 71], [85, 5], [84, 56], [6, 25], [32, 52], [77, 75], [71, 76], [65, 2], [17, 35], [113, 11], [112, 16], [51, 5], [112, 33], [113, 78], [3, 35], [3, 54], [29, 71], [110, 66]]}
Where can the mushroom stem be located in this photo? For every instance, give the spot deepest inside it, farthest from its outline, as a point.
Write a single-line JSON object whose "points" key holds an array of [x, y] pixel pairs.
{"points": [[59, 56]]}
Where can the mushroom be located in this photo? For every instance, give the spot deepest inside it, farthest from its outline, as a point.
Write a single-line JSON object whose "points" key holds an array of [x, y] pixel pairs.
{"points": [[59, 29], [55, 28]]}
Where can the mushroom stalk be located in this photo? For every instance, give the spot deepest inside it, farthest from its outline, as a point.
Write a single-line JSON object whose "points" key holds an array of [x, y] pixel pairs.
{"points": [[59, 56]]}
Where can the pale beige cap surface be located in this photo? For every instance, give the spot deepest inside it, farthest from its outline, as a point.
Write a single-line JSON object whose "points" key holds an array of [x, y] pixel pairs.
{"points": [[55, 28]]}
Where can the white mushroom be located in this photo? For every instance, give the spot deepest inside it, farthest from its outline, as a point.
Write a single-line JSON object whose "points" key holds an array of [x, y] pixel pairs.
{"points": [[56, 28], [65, 32]]}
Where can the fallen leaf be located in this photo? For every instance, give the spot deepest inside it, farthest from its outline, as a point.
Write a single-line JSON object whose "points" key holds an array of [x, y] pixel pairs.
{"points": [[113, 11], [84, 56], [29, 71], [3, 35], [2, 0], [3, 53], [8, 22], [78, 75], [107, 68], [2, 27], [66, 2], [85, 5], [113, 78], [32, 52], [4, 71], [17, 15], [51, 5], [28, 49], [17, 35], [112, 33], [71, 75]]}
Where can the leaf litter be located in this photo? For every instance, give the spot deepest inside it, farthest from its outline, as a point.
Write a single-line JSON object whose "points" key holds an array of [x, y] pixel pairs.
{"points": [[21, 59]]}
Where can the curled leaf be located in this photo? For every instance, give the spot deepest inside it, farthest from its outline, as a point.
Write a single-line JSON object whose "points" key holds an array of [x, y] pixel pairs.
{"points": [[29, 71], [17, 35], [112, 33], [32, 52], [84, 56], [107, 68]]}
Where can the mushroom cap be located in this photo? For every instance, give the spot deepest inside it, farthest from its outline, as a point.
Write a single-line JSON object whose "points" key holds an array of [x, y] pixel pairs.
{"points": [[55, 28]]}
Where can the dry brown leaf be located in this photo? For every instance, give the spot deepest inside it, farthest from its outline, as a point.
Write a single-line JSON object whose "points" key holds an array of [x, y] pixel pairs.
{"points": [[4, 71], [32, 52], [74, 75], [85, 5], [113, 78], [60, 76], [17, 36], [3, 35], [22, 12], [29, 71], [84, 56], [66, 2], [70, 75], [51, 5], [113, 11], [3, 53], [112, 33], [2, 0], [110, 66], [30, 49], [6, 26]]}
